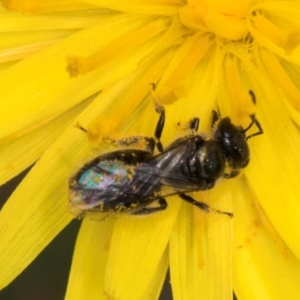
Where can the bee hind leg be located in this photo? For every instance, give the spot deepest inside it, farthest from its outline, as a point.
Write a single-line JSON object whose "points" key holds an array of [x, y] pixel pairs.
{"points": [[150, 210], [203, 206]]}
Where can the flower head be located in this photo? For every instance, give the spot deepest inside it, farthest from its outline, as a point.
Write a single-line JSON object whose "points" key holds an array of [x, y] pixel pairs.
{"points": [[68, 65]]}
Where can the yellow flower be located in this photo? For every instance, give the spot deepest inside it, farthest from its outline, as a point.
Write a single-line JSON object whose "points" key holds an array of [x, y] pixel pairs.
{"points": [[71, 64]]}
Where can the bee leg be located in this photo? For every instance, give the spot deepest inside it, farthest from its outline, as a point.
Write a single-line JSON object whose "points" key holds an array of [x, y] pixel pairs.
{"points": [[193, 124], [147, 142], [215, 118], [159, 126], [203, 206], [232, 174], [150, 210], [161, 121]]}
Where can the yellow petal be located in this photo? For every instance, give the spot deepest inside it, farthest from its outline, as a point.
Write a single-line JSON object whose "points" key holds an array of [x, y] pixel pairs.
{"points": [[205, 276], [200, 249], [174, 83], [263, 267], [18, 155], [37, 210], [281, 79], [140, 7], [90, 264], [22, 23], [226, 26], [22, 52], [130, 41], [87, 275], [155, 286], [292, 71], [234, 99], [34, 214], [288, 10], [275, 163], [279, 35], [43, 6], [137, 247], [272, 149], [192, 104], [186, 279], [44, 85]]}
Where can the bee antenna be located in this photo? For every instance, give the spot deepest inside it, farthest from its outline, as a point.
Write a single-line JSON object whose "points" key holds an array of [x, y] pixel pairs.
{"points": [[251, 124], [153, 86], [254, 121], [81, 128], [252, 95]]}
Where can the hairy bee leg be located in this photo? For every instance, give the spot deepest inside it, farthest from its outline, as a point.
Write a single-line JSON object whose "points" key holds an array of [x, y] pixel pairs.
{"points": [[149, 142], [215, 118], [150, 210], [193, 124], [159, 126], [161, 121], [232, 174], [203, 206]]}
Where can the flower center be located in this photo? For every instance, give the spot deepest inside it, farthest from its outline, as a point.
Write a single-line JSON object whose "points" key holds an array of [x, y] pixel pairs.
{"points": [[226, 19]]}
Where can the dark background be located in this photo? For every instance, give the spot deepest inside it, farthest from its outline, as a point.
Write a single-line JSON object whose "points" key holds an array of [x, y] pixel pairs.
{"points": [[47, 276]]}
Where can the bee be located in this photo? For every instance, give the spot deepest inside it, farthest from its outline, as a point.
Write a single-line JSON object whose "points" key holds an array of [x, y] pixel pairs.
{"points": [[137, 182]]}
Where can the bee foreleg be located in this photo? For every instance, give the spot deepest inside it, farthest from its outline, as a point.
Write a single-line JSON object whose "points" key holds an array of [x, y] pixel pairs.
{"points": [[161, 121], [232, 174], [193, 124], [215, 118], [159, 126]]}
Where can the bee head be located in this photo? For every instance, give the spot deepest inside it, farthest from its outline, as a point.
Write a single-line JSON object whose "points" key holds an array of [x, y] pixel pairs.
{"points": [[233, 141]]}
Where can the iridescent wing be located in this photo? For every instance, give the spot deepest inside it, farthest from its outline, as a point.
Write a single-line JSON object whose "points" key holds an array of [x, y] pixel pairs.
{"points": [[123, 185], [110, 184]]}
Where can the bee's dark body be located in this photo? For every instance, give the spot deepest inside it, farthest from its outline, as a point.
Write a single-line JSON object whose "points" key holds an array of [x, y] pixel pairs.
{"points": [[130, 180]]}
